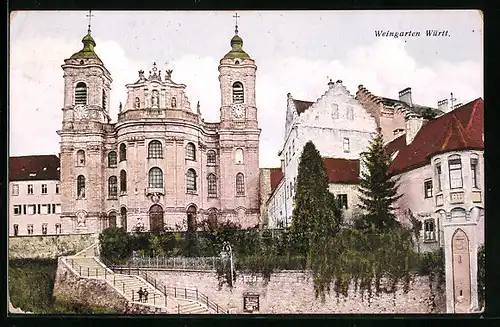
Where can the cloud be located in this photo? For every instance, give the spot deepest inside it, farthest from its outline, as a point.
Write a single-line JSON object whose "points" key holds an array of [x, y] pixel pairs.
{"points": [[384, 67]]}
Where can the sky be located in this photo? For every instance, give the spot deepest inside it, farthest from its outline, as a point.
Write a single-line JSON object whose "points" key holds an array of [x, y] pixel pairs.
{"points": [[295, 52]]}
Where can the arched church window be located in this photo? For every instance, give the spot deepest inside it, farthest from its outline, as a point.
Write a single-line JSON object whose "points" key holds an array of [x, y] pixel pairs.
{"points": [[81, 93], [211, 158], [112, 186], [238, 156], [155, 149], [112, 159], [123, 214], [80, 158], [123, 181], [155, 178], [123, 152], [238, 93], [240, 184], [212, 185], [137, 103], [191, 180], [173, 102], [80, 187], [190, 151]]}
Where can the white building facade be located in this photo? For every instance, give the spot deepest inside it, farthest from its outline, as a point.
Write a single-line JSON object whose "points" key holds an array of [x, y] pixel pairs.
{"points": [[34, 196], [339, 127]]}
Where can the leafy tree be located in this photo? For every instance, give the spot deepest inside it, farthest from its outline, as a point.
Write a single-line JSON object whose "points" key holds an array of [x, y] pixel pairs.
{"points": [[378, 189], [315, 214], [116, 245]]}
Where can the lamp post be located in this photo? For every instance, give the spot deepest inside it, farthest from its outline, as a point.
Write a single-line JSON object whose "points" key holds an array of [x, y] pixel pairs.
{"points": [[227, 247]]}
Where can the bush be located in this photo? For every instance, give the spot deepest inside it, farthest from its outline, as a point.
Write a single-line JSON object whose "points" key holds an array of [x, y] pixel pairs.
{"points": [[116, 245]]}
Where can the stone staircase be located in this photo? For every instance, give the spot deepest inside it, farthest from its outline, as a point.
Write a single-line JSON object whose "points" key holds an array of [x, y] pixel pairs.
{"points": [[86, 264]]}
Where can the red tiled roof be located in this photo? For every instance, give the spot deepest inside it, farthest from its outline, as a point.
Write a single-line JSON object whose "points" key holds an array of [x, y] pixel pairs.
{"points": [[301, 106], [395, 145], [459, 129], [275, 175], [40, 167], [342, 170]]}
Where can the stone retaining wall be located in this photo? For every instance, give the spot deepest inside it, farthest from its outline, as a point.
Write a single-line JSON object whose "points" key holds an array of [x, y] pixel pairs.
{"points": [[293, 293], [93, 292], [48, 246]]}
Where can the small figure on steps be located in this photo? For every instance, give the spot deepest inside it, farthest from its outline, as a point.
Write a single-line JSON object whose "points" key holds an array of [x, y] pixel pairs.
{"points": [[140, 292], [146, 295]]}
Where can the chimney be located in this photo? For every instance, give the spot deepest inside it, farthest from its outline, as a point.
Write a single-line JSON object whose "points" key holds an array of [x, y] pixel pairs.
{"points": [[405, 96], [443, 105], [413, 123]]}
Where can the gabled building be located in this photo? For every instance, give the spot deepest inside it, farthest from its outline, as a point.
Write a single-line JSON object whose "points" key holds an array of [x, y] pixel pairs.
{"points": [[441, 172], [34, 195], [338, 125], [390, 114]]}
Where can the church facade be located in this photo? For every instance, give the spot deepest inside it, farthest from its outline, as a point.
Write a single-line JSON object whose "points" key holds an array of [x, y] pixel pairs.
{"points": [[160, 166]]}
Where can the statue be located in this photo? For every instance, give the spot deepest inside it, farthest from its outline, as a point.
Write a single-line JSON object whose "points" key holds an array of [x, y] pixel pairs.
{"points": [[137, 103], [141, 75], [120, 107], [155, 99], [168, 75], [174, 102], [198, 108], [80, 218]]}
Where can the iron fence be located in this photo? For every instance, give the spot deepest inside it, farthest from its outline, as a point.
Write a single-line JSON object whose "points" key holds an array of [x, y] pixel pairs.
{"points": [[177, 263]]}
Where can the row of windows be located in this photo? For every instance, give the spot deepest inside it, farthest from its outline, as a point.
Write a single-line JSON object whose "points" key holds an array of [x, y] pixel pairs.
{"points": [[33, 209], [349, 112], [155, 180], [155, 151], [29, 229], [30, 189], [455, 175], [155, 101]]}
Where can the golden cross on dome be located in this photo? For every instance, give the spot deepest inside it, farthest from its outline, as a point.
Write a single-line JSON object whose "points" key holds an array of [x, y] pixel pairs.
{"points": [[90, 19], [236, 17]]}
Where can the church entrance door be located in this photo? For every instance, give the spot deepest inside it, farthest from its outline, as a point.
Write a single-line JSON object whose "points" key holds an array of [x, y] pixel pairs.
{"points": [[156, 218], [461, 272], [191, 218], [112, 220]]}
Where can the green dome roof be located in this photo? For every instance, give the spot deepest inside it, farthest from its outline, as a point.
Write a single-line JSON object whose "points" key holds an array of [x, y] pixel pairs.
{"points": [[237, 49], [88, 49]]}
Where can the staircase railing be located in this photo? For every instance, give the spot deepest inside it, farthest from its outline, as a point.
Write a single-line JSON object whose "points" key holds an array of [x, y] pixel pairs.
{"points": [[175, 292]]}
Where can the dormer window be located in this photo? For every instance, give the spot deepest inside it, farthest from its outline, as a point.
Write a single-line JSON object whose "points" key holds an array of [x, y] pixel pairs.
{"points": [[81, 93], [238, 93]]}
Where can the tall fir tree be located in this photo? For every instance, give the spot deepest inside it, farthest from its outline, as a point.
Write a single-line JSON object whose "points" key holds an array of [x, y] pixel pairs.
{"points": [[315, 214], [379, 191]]}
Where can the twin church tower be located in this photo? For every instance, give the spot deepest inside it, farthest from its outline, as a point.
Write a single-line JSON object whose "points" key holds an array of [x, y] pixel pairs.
{"points": [[160, 165]]}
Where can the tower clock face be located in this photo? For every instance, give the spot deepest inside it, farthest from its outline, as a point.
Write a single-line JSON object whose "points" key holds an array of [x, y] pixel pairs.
{"points": [[238, 110], [80, 111]]}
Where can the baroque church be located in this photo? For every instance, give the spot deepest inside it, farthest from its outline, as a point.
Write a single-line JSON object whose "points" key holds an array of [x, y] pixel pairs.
{"points": [[160, 166]]}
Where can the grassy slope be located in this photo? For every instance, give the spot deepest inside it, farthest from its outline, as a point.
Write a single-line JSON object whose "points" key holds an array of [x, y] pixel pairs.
{"points": [[31, 283]]}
